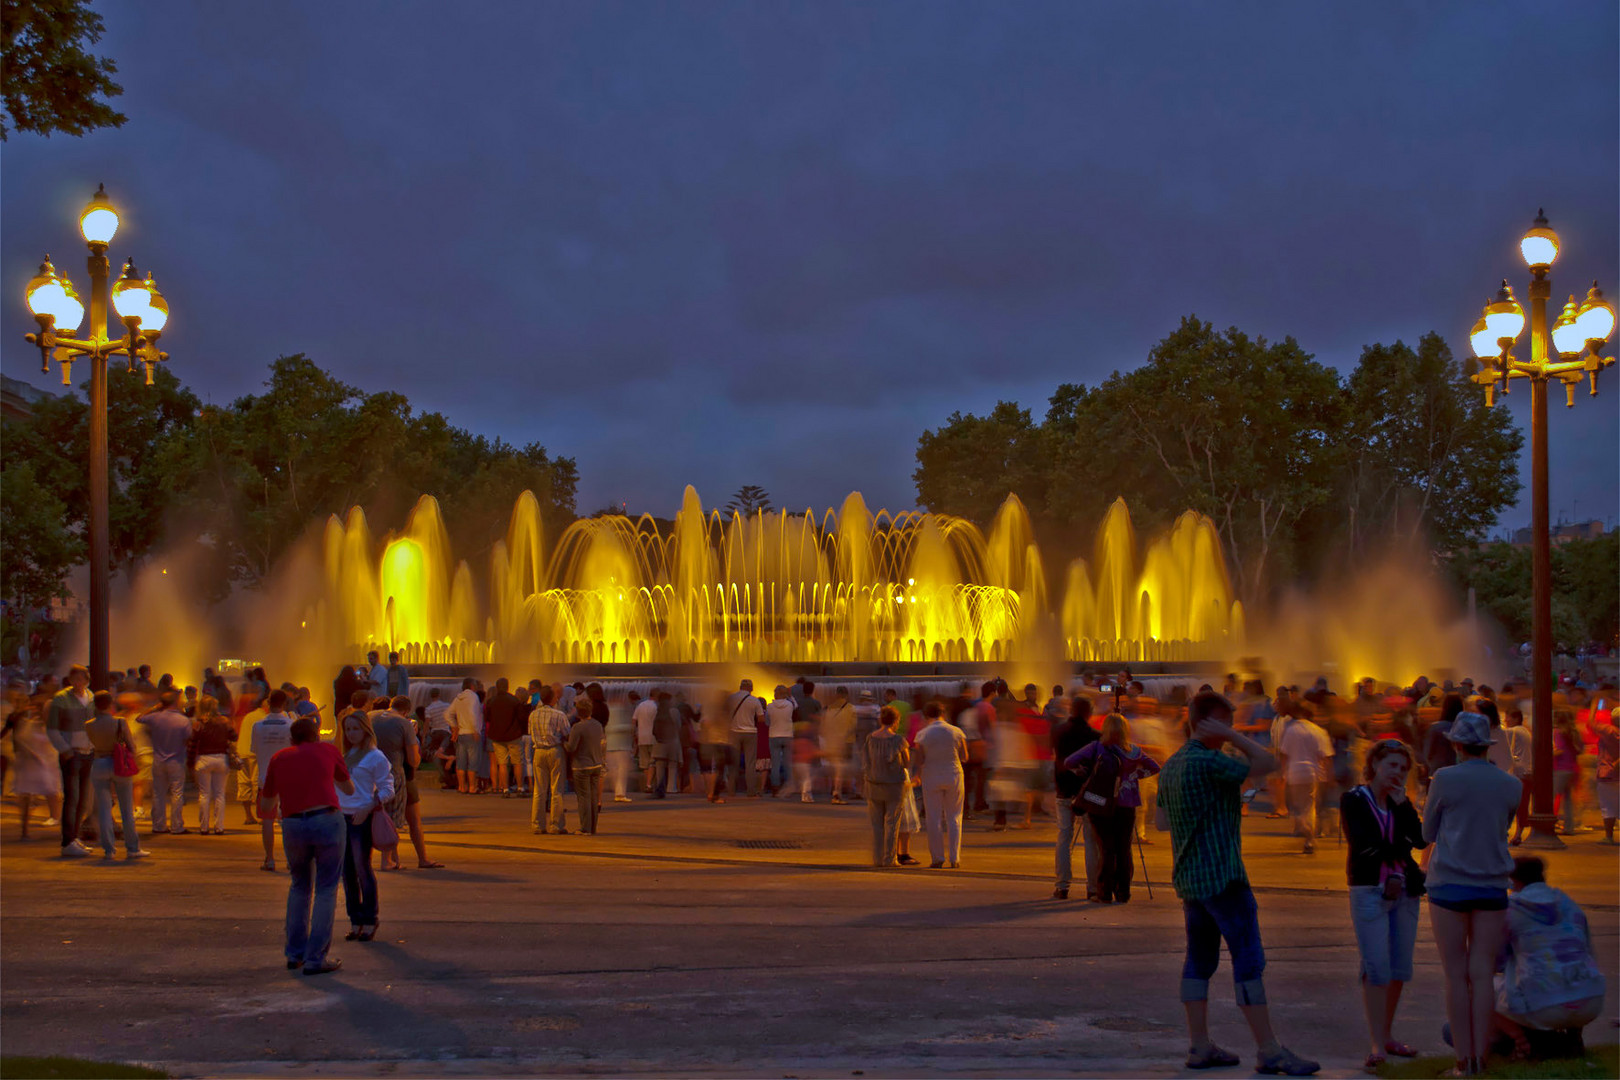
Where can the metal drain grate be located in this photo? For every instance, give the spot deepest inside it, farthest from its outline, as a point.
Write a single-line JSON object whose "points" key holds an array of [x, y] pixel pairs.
{"points": [[769, 845]]}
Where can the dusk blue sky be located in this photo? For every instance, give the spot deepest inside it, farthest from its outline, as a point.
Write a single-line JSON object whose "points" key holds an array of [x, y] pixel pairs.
{"points": [[771, 243]]}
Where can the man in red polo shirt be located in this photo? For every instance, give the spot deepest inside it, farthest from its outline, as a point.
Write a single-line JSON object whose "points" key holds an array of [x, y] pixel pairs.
{"points": [[306, 777]]}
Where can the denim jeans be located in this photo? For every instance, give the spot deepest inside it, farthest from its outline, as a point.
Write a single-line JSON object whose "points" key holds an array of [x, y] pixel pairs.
{"points": [[781, 762], [168, 795], [1068, 822], [77, 796], [314, 848], [359, 878], [1386, 931], [107, 785], [1233, 915]]}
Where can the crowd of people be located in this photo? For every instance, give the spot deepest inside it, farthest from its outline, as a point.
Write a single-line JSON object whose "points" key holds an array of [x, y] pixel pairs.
{"points": [[1437, 770]]}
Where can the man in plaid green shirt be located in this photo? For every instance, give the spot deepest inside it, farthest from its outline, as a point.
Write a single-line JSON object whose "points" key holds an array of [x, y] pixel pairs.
{"points": [[1201, 791]]}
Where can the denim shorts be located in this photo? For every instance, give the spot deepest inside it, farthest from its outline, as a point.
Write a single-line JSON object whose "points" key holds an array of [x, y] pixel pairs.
{"points": [[1386, 931], [1232, 915], [1466, 898]]}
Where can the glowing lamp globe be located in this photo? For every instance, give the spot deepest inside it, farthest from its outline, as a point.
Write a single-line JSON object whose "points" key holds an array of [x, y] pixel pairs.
{"points": [[1596, 317], [1540, 245], [99, 222], [1504, 316], [130, 296], [1567, 333], [157, 309], [1485, 346], [49, 294]]}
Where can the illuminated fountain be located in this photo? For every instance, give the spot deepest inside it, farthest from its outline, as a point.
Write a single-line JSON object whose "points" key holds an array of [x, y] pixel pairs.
{"points": [[774, 587]]}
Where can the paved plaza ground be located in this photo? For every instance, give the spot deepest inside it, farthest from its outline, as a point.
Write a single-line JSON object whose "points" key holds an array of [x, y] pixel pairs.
{"points": [[663, 945]]}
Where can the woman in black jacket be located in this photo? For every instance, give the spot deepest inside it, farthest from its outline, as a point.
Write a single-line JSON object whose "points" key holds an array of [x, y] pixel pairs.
{"points": [[1381, 827]]}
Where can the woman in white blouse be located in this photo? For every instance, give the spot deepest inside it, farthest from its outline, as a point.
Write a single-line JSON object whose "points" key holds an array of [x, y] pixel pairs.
{"points": [[373, 786]]}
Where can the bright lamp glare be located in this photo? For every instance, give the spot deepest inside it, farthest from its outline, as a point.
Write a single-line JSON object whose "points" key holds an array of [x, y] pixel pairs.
{"points": [[131, 300], [55, 300], [1485, 346], [1567, 333], [99, 224], [1597, 316], [1539, 251]]}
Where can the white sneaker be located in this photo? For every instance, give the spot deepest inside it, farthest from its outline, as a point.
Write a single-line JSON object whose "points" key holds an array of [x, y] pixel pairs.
{"points": [[50, 822], [74, 850]]}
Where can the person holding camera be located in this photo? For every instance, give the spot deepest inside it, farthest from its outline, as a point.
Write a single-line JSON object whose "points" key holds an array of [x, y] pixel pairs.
{"points": [[1201, 791], [1381, 827]]}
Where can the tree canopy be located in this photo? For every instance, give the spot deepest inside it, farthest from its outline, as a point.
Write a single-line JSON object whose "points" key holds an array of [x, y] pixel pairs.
{"points": [[749, 499], [249, 478], [1293, 463], [49, 82]]}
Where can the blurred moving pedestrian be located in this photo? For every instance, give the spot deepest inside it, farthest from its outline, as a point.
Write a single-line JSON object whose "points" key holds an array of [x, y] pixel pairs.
{"points": [[36, 768], [268, 737], [304, 781]]}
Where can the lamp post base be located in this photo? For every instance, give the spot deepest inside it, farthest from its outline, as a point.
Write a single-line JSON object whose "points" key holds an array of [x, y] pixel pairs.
{"points": [[1541, 836]]}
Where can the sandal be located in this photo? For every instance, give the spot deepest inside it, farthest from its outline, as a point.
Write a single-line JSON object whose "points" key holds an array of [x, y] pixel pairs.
{"points": [[1399, 1049], [367, 935], [1373, 1062], [268, 865], [354, 932], [430, 865]]}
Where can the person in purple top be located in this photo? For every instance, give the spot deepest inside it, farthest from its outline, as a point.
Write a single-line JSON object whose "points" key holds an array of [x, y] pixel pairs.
{"points": [[1109, 771], [170, 732]]}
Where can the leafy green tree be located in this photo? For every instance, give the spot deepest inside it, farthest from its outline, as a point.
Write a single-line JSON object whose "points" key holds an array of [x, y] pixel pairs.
{"points": [[270, 466], [1585, 581], [38, 546], [1423, 458], [142, 422], [1240, 429], [970, 464], [48, 81], [749, 499]]}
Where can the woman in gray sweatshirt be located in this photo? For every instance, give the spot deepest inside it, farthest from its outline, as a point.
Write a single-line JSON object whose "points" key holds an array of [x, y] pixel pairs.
{"points": [[1470, 806]]}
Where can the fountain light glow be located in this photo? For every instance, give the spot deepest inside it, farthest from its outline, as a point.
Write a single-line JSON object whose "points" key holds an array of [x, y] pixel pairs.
{"points": [[844, 585]]}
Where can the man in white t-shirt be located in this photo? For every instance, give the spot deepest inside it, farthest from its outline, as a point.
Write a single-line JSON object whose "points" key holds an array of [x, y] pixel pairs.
{"points": [[270, 736], [744, 710], [944, 753], [779, 721], [642, 715], [1304, 748], [466, 717]]}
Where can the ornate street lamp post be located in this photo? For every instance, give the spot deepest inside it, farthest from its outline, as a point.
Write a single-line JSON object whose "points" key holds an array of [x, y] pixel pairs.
{"points": [[143, 311], [1576, 340]]}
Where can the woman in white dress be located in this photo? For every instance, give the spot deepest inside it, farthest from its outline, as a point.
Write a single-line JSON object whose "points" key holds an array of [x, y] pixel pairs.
{"points": [[36, 772]]}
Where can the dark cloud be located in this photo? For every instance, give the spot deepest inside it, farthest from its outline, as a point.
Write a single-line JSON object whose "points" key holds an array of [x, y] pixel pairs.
{"points": [[770, 243]]}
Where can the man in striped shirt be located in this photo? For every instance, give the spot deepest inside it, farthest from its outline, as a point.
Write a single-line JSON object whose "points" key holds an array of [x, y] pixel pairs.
{"points": [[548, 730]]}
